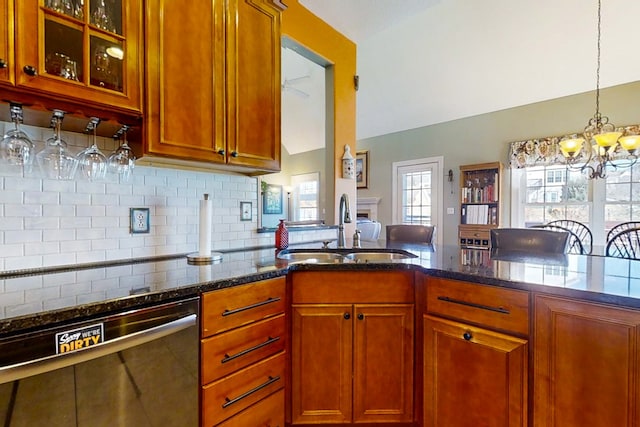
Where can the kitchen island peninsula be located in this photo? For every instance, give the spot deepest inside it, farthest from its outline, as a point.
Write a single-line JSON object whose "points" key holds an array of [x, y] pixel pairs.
{"points": [[518, 337]]}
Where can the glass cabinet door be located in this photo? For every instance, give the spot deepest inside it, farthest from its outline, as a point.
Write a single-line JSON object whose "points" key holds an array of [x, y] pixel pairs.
{"points": [[80, 49], [6, 42]]}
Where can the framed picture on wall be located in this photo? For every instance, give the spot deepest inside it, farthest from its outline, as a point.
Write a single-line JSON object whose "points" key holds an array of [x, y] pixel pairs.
{"points": [[362, 169], [272, 199]]}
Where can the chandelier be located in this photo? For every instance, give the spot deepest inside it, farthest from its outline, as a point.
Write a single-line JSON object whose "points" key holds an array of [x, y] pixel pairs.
{"points": [[607, 147]]}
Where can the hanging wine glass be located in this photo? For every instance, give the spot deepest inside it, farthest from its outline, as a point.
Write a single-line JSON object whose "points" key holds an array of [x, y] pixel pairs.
{"points": [[92, 163], [16, 148], [55, 161], [122, 161]]}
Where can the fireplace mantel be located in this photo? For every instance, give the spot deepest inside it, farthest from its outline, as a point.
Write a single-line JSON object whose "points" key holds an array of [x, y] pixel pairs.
{"points": [[368, 207]]}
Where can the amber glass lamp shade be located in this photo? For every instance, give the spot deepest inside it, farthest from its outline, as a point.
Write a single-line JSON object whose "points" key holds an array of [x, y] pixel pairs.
{"points": [[571, 147]]}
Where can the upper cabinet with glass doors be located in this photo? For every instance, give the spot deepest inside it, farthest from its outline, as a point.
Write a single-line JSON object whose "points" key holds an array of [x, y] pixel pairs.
{"points": [[85, 51], [6, 41]]}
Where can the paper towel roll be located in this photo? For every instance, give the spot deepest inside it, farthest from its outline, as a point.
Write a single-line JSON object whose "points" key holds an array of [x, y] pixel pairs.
{"points": [[205, 227]]}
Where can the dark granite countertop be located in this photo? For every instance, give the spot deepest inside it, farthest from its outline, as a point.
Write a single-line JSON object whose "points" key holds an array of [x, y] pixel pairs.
{"points": [[39, 298]]}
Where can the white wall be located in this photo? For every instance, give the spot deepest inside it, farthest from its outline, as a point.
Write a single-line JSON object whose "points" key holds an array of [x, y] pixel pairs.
{"points": [[461, 58], [486, 138]]}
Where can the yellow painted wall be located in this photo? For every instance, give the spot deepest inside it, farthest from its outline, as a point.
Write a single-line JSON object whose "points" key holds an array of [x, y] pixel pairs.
{"points": [[304, 27]]}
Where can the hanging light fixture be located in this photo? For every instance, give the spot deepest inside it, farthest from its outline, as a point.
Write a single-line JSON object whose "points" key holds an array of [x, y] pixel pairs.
{"points": [[606, 146]]}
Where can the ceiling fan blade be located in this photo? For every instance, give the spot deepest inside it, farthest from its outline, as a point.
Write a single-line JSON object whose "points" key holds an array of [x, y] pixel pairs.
{"points": [[296, 91]]}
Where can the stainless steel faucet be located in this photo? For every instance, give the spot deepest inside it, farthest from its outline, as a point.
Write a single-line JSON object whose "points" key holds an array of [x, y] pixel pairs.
{"points": [[345, 216]]}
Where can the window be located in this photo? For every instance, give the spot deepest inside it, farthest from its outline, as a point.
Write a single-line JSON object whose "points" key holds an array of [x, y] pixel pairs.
{"points": [[417, 192], [551, 193], [622, 196], [305, 200], [547, 193]]}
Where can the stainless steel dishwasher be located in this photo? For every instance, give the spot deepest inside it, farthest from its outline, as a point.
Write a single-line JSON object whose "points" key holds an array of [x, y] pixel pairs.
{"points": [[137, 368]]}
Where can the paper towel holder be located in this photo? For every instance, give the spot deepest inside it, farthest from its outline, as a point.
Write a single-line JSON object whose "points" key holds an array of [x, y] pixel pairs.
{"points": [[204, 254], [196, 259]]}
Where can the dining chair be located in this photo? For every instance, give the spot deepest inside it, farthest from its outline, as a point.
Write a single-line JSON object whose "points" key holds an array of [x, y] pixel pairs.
{"points": [[575, 244], [625, 244], [529, 240], [581, 231], [410, 233], [621, 227]]}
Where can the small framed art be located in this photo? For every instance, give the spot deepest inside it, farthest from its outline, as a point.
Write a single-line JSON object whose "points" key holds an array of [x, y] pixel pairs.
{"points": [[362, 169], [272, 199]]}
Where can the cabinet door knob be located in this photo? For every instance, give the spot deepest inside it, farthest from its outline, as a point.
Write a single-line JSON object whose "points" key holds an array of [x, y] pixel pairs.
{"points": [[347, 316], [467, 336], [30, 70], [234, 154], [3, 63], [221, 152], [360, 316]]}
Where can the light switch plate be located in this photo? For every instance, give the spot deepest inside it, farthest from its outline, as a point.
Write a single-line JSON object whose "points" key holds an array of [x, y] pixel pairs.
{"points": [[139, 220], [451, 211]]}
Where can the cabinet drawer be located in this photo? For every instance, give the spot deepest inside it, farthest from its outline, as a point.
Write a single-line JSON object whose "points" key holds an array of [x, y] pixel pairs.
{"points": [[492, 307], [227, 397], [269, 412], [341, 287], [226, 353], [233, 307]]}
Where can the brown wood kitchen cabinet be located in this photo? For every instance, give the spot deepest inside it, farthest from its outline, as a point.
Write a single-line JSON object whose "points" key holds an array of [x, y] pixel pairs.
{"points": [[586, 364], [352, 348], [243, 355], [475, 355], [85, 55], [213, 82], [6, 42]]}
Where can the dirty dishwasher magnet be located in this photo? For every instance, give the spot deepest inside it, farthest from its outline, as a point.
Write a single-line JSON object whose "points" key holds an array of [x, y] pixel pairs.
{"points": [[138, 368]]}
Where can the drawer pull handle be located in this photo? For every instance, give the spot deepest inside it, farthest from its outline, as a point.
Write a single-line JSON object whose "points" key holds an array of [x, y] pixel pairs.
{"points": [[270, 300], [467, 336], [473, 304], [229, 402], [269, 340]]}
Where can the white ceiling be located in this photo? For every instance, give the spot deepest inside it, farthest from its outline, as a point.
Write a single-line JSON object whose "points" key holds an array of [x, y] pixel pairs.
{"points": [[423, 62], [359, 19]]}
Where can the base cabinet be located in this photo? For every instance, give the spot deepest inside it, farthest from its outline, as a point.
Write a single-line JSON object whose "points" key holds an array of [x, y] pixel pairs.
{"points": [[475, 355], [352, 362], [242, 353], [586, 364], [473, 376]]}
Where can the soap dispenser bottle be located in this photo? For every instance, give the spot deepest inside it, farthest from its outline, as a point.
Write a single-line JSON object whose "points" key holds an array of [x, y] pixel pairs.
{"points": [[356, 239], [282, 236]]}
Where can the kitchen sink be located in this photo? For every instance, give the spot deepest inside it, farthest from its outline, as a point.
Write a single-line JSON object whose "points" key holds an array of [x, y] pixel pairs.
{"points": [[378, 256], [312, 257], [336, 256]]}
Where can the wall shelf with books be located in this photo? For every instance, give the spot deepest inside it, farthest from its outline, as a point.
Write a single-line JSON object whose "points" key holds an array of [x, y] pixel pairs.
{"points": [[480, 209]]}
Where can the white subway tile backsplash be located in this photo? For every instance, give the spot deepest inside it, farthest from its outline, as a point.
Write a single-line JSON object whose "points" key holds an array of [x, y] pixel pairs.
{"points": [[14, 223], [11, 209], [47, 222], [41, 248], [58, 186], [66, 211], [91, 187], [22, 262], [79, 199], [74, 246], [92, 256], [41, 223], [22, 236], [59, 235], [23, 184]]}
